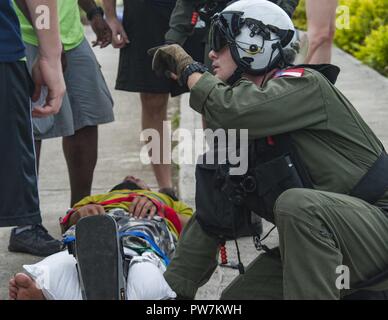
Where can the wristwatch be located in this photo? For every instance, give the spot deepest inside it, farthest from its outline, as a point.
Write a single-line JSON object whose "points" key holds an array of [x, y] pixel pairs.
{"points": [[91, 13], [190, 69]]}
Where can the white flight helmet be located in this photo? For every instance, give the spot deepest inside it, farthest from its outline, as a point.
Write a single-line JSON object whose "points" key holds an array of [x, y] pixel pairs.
{"points": [[257, 33]]}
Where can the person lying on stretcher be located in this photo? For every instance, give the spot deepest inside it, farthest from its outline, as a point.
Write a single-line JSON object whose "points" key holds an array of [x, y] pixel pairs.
{"points": [[148, 225]]}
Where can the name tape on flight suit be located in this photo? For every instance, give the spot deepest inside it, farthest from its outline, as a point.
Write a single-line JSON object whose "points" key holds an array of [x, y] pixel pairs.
{"points": [[296, 72]]}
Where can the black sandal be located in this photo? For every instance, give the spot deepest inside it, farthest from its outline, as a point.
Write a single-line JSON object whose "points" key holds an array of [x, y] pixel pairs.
{"points": [[99, 259]]}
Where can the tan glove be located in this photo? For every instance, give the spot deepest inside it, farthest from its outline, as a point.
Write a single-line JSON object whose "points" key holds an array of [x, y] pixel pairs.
{"points": [[169, 59]]}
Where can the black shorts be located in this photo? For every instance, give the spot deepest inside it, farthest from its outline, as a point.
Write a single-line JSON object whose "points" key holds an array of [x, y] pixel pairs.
{"points": [[19, 200], [146, 24]]}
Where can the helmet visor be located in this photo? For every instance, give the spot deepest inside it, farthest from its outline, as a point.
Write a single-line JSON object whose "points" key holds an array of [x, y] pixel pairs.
{"points": [[224, 28], [217, 38]]}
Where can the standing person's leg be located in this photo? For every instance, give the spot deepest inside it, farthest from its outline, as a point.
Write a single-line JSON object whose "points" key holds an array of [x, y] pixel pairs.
{"points": [[321, 231], [19, 203], [145, 23], [320, 30], [19, 190], [91, 105], [80, 152], [154, 112]]}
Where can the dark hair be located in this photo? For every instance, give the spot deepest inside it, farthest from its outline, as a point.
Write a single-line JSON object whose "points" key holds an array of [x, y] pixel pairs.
{"points": [[126, 185]]}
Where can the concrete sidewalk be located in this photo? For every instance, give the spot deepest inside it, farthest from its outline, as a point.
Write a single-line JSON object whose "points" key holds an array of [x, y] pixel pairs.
{"points": [[119, 147]]}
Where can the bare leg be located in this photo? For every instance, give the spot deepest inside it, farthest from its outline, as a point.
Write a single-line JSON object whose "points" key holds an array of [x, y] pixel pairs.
{"points": [[80, 152], [23, 287], [320, 30], [154, 112]]}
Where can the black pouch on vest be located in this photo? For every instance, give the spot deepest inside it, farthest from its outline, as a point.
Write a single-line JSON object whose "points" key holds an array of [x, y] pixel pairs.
{"points": [[216, 213]]}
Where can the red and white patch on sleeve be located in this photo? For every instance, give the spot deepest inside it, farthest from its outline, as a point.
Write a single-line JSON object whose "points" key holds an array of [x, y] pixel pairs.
{"points": [[296, 72]]}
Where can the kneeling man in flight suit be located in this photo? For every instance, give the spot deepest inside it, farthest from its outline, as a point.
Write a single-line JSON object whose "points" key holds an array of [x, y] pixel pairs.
{"points": [[316, 170]]}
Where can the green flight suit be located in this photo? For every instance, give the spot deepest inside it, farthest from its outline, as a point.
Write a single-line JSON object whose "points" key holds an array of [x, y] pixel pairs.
{"points": [[320, 229]]}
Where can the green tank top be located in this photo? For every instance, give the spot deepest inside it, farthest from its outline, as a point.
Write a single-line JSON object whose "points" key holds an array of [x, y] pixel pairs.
{"points": [[71, 28]]}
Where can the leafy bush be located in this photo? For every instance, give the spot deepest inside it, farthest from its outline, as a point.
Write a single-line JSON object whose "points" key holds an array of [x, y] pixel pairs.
{"points": [[299, 17], [375, 50], [365, 16]]}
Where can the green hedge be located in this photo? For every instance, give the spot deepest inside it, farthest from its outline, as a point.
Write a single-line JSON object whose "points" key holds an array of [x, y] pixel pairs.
{"points": [[374, 52], [299, 18], [367, 37]]}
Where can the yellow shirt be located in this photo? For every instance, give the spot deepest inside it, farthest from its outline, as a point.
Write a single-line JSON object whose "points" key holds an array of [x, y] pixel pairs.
{"points": [[117, 199]]}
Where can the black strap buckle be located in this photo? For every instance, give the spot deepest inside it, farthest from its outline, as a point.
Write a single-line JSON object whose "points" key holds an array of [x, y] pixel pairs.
{"points": [[248, 184], [257, 243]]}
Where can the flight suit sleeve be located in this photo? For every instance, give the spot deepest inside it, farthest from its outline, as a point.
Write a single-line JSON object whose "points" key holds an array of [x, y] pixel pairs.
{"points": [[283, 105], [180, 22]]}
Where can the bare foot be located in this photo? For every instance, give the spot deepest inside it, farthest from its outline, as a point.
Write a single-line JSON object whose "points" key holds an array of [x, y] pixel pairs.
{"points": [[23, 287]]}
